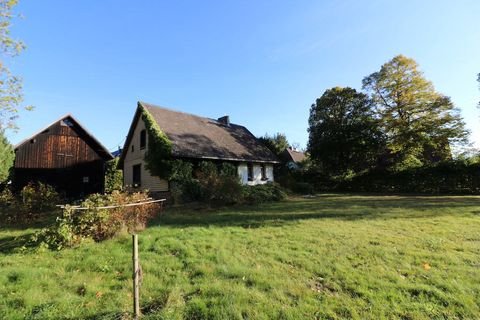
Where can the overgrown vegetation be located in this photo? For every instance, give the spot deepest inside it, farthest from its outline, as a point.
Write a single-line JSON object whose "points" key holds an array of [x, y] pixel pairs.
{"points": [[217, 184], [113, 176], [74, 225], [158, 158], [331, 257], [33, 199]]}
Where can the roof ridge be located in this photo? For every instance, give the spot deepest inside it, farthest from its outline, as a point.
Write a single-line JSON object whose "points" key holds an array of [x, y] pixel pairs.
{"points": [[143, 103]]}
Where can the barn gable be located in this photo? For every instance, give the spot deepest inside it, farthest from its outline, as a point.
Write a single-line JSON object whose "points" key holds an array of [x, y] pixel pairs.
{"points": [[65, 155]]}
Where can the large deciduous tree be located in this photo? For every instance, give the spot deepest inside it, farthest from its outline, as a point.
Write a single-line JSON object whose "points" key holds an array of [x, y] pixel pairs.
{"points": [[10, 85], [420, 124], [6, 157], [344, 136]]}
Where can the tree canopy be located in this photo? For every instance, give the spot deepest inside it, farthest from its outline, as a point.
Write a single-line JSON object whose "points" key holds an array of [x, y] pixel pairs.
{"points": [[10, 85], [6, 157], [343, 134], [420, 124], [276, 143]]}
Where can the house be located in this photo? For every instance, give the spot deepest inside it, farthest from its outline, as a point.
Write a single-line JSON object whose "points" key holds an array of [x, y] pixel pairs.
{"points": [[64, 155], [195, 139], [292, 158]]}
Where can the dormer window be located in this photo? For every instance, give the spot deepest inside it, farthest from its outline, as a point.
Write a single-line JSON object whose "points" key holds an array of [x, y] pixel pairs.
{"points": [[143, 139]]}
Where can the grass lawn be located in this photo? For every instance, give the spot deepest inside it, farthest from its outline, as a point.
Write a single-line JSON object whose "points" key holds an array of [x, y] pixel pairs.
{"points": [[329, 257]]}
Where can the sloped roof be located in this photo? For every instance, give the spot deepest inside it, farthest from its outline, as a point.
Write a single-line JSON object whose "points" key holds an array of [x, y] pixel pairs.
{"points": [[93, 142], [296, 156], [204, 138]]}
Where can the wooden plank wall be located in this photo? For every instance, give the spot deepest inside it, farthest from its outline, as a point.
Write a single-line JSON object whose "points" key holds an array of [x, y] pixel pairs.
{"points": [[59, 146]]}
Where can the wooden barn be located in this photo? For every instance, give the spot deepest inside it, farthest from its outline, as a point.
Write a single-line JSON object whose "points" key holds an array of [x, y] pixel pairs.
{"points": [[64, 155]]}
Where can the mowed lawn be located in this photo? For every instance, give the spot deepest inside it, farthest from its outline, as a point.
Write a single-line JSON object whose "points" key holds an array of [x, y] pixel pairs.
{"points": [[328, 257]]}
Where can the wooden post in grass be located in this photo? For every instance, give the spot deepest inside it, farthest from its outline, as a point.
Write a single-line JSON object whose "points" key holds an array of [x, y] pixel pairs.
{"points": [[136, 282]]}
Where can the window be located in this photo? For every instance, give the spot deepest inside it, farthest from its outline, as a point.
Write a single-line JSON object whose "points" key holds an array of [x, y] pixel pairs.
{"points": [[133, 149], [250, 171], [264, 172], [66, 123], [143, 139], [137, 175]]}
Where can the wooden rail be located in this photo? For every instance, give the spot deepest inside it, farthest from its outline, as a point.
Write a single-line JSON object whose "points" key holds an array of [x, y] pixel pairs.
{"points": [[114, 206]]}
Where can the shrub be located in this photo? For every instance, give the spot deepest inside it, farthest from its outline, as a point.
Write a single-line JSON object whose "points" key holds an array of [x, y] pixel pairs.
{"points": [[98, 224], [38, 197], [113, 177], [219, 187], [6, 198], [264, 193]]}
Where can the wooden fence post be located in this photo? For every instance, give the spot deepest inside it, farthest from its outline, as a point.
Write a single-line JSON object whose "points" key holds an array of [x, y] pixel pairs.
{"points": [[136, 284]]}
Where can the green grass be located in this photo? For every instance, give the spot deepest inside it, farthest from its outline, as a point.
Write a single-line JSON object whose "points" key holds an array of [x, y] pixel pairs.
{"points": [[331, 257]]}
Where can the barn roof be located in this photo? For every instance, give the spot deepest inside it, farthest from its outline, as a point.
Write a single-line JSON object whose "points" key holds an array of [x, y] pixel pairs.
{"points": [[204, 138], [93, 142]]}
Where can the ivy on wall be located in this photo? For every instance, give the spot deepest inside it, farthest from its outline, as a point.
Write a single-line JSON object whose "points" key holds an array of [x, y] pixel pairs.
{"points": [[158, 158]]}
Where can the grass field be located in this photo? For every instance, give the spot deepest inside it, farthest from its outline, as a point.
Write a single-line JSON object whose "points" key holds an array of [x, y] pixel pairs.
{"points": [[330, 257]]}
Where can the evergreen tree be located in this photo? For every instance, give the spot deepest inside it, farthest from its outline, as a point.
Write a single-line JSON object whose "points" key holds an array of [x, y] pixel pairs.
{"points": [[420, 124], [6, 157]]}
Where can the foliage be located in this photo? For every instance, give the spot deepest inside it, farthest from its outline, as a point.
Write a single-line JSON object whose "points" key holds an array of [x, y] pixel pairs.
{"points": [[7, 157], [343, 133], [95, 223], [329, 257], [113, 176], [10, 85], [277, 143], [38, 197], [159, 151], [451, 177], [420, 124], [219, 187], [182, 185], [263, 193]]}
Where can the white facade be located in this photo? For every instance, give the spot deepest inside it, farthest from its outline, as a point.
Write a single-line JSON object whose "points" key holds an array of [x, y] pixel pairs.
{"points": [[257, 173]]}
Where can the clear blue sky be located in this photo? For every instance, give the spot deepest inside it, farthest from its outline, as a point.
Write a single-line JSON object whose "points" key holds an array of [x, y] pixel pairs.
{"points": [[261, 62]]}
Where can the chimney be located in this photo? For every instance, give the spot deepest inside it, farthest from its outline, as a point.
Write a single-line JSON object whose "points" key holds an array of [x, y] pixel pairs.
{"points": [[224, 120]]}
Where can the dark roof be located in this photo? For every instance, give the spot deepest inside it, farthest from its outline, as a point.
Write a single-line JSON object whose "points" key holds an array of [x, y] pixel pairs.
{"points": [[117, 153], [295, 156], [204, 138], [90, 138]]}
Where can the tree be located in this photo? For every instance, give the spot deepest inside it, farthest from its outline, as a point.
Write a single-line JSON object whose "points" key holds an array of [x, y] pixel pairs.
{"points": [[276, 143], [10, 85], [420, 124], [6, 157], [344, 136]]}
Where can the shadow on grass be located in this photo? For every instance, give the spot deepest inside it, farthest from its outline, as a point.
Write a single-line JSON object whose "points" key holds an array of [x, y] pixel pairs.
{"points": [[12, 244], [40, 220], [341, 207]]}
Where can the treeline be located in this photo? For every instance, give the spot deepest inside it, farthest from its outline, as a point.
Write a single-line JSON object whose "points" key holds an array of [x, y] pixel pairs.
{"points": [[398, 134]]}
